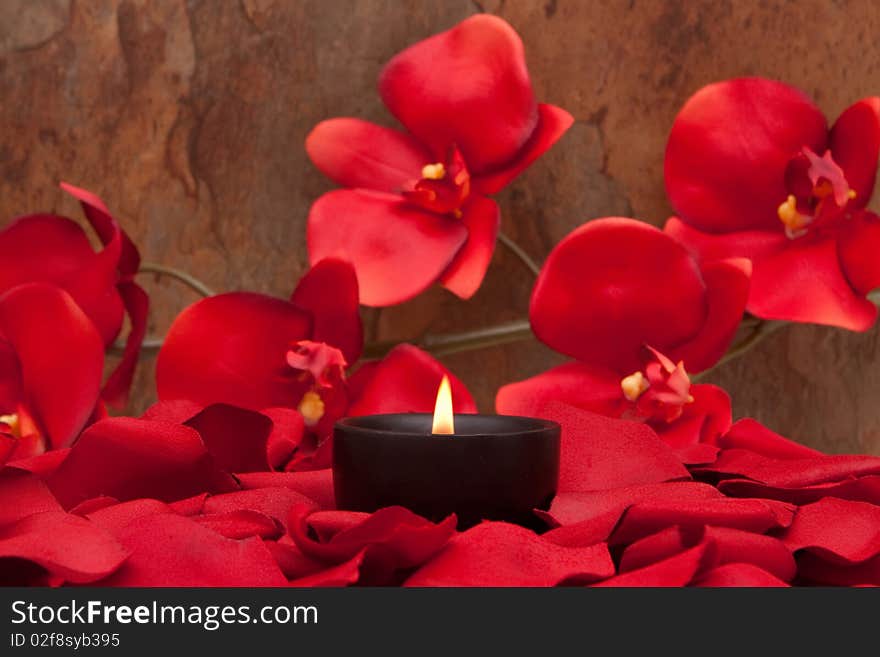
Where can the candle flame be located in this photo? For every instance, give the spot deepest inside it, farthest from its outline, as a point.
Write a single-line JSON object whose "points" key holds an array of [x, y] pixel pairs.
{"points": [[443, 418]]}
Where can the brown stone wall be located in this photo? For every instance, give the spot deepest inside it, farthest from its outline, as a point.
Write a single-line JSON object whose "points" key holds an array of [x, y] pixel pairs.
{"points": [[189, 119]]}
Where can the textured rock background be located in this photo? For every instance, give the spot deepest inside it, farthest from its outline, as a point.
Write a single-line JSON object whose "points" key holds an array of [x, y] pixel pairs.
{"points": [[189, 119]]}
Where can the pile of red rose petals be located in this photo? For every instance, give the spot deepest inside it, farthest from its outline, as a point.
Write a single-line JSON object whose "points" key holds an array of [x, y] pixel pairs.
{"points": [[155, 502]]}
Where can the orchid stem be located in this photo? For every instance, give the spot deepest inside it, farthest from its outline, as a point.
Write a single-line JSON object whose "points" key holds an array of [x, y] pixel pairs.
{"points": [[453, 343], [152, 345], [149, 347], [762, 329], [518, 251], [515, 331], [190, 281]]}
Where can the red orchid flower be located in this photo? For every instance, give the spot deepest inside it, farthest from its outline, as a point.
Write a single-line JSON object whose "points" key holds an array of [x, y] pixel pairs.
{"points": [[46, 248], [619, 295], [753, 171], [52, 361], [416, 210], [266, 354]]}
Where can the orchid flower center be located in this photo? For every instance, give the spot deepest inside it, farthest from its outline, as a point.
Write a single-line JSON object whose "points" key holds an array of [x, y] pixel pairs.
{"points": [[436, 171], [443, 187], [311, 407], [634, 386], [818, 193], [660, 391], [13, 423]]}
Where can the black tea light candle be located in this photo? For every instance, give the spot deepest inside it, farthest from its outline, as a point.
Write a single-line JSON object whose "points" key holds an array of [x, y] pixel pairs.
{"points": [[492, 467]]}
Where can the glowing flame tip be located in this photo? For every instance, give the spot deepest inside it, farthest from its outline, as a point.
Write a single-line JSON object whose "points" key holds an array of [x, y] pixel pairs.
{"points": [[444, 422]]}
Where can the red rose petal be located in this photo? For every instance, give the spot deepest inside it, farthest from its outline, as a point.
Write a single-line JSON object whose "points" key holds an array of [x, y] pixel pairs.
{"points": [[357, 153], [275, 503], [752, 435], [326, 524], [739, 574], [242, 523], [660, 546], [173, 410], [406, 381], [288, 430], [290, 559], [815, 569], [728, 150], [317, 485], [766, 552], [468, 86], [596, 529], [128, 458], [403, 539], [791, 473], [23, 494], [231, 349], [42, 465], [500, 554], [344, 574], [752, 515], [93, 504], [569, 508], [614, 285], [239, 439], [329, 291], [397, 249], [236, 437], [189, 506], [169, 550], [116, 517], [678, 570], [599, 452], [583, 386], [862, 489], [839, 530], [700, 454], [67, 546]]}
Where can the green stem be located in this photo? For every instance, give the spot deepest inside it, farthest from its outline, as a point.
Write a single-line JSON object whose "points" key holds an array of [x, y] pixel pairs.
{"points": [[187, 279], [453, 343], [152, 345], [514, 331], [762, 329], [149, 347], [518, 251]]}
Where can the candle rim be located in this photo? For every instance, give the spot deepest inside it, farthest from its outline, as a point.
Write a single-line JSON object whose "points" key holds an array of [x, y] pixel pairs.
{"points": [[537, 426]]}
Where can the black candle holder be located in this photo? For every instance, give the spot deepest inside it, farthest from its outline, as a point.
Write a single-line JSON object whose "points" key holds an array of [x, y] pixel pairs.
{"points": [[494, 467]]}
